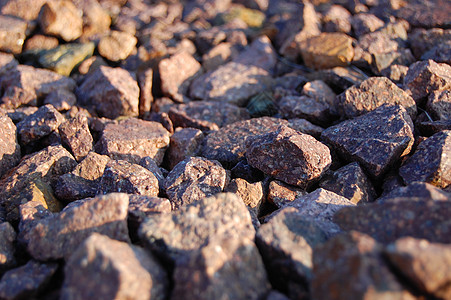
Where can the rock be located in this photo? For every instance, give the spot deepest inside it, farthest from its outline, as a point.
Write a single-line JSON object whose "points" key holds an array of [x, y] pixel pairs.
{"points": [[64, 58], [350, 182], [351, 266], [92, 167], [145, 79], [386, 222], [25, 84], [56, 237], [416, 191], [252, 17], [439, 105], [61, 100], [243, 170], [342, 78], [9, 146], [7, 63], [192, 227], [132, 139], [305, 107], [252, 194], [293, 157], [177, 73], [306, 127], [113, 92], [122, 176], [75, 135], [136, 274], [337, 19], [91, 64], [19, 114], [321, 92], [39, 42], [206, 115], [275, 295], [140, 207], [371, 94], [163, 119], [251, 73], [12, 34], [422, 40], [193, 179], [26, 281], [286, 243], [117, 45], [40, 124], [424, 264], [62, 19], [376, 140], [185, 142], [327, 50], [395, 73], [430, 162], [425, 77], [218, 55], [25, 9], [440, 53], [35, 173], [280, 193], [427, 14], [7, 247], [227, 145], [262, 104], [96, 19], [363, 23], [30, 213]]}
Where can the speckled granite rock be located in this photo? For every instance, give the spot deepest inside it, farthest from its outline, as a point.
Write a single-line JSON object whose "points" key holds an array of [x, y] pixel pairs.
{"points": [[185, 142], [439, 105]]}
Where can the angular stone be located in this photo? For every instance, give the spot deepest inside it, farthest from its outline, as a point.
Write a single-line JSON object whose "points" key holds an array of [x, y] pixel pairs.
{"points": [[19, 114], [113, 92], [61, 100], [25, 84], [376, 140], [337, 19], [9, 146], [371, 94], [56, 236], [70, 187], [92, 167], [386, 222], [193, 179], [286, 243], [351, 266], [140, 207], [305, 107], [122, 176], [91, 64], [61, 18], [276, 295], [342, 78], [185, 142], [117, 45], [440, 53], [280, 193], [439, 105], [206, 115], [132, 139], [7, 247], [177, 73], [30, 213], [395, 73], [12, 34], [422, 40], [306, 127], [328, 50], [7, 63], [428, 14], [431, 161], [424, 264], [76, 136], [251, 73], [320, 91], [251, 193], [425, 77], [364, 23], [145, 79], [293, 157], [416, 191], [25, 9], [26, 281], [136, 274]]}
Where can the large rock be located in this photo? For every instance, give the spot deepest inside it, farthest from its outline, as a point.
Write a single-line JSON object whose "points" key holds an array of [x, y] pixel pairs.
{"points": [[75, 135], [428, 14], [12, 34], [280, 193], [61, 18], [9, 146]]}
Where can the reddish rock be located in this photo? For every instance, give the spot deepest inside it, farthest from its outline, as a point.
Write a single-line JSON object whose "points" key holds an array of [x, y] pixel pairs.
{"points": [[7, 63], [7, 247], [113, 92], [395, 73], [62, 100], [427, 14], [376, 140], [440, 53], [145, 91], [61, 18], [12, 34], [19, 114], [342, 78], [185, 142], [133, 139], [9, 146], [280, 193], [305, 107], [218, 55], [96, 19], [337, 19], [148, 163], [117, 45], [193, 179], [416, 191], [76, 136], [56, 236], [364, 23], [274, 153], [439, 105], [140, 207], [306, 127], [25, 9], [163, 119], [430, 162], [136, 274], [92, 167], [40, 41], [422, 40]]}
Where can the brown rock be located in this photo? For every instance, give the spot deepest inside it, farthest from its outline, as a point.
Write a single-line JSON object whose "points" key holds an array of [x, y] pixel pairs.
{"points": [[25, 9], [327, 50], [206, 115], [337, 19], [386, 222], [117, 45], [440, 53], [163, 119], [12, 34], [61, 99], [430, 162], [9, 147], [424, 264], [26, 281], [140, 207], [425, 77], [7, 247], [145, 91], [75, 135], [376, 140], [19, 114], [61, 18], [280, 193], [342, 78], [320, 91], [185, 142], [193, 179], [56, 237], [305, 107], [252, 194], [306, 127], [439, 105], [422, 40], [416, 191], [177, 73], [287, 155], [91, 64], [136, 274], [395, 73], [30, 213], [371, 94], [92, 167], [96, 19], [113, 92], [428, 14], [364, 23], [122, 176], [39, 41], [132, 139], [25, 84], [351, 266]]}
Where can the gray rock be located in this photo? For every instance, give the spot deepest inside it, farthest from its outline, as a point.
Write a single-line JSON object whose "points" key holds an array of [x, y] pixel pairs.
{"points": [[7, 63], [416, 190]]}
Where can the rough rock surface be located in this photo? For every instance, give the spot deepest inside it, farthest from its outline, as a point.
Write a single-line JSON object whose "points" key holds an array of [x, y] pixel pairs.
{"points": [[61, 18], [7, 249], [184, 143], [280, 193], [12, 34], [416, 190], [439, 105], [61, 100], [117, 45], [76, 136], [9, 146]]}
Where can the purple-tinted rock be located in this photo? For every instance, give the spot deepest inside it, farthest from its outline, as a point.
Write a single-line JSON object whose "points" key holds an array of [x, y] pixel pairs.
{"points": [[305, 107], [337, 19], [439, 105], [218, 55], [422, 40], [9, 146], [7, 247], [7, 63], [185, 142], [117, 45], [280, 193], [364, 23], [12, 34], [395, 73], [306, 127], [62, 100], [342, 78], [140, 207], [76, 136], [425, 13], [416, 191], [145, 79]]}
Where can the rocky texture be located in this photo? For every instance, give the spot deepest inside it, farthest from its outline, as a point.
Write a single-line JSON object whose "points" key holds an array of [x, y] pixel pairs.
{"points": [[75, 135], [7, 249], [287, 155], [99, 261], [132, 139], [145, 79], [430, 162], [428, 14], [140, 207], [9, 146], [56, 236], [439, 105], [337, 19], [40, 41], [113, 92], [61, 100], [24, 9], [7, 63], [184, 143], [193, 179], [386, 222], [416, 191], [280, 193], [376, 140], [117, 45], [12, 34]]}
